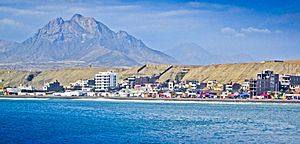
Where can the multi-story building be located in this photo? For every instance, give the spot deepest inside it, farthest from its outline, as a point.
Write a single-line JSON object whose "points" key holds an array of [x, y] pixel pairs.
{"points": [[227, 87], [284, 81], [267, 81], [231, 87], [105, 81], [287, 80], [246, 85], [252, 87], [131, 82], [128, 82]]}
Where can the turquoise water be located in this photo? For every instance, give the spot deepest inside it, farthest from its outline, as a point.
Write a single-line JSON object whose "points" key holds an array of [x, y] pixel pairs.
{"points": [[83, 121]]}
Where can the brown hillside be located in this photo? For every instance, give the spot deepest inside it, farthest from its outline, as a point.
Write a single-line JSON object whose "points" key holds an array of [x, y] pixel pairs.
{"points": [[220, 72]]}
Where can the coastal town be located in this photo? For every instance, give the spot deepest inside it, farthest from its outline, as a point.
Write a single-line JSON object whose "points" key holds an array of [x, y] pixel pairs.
{"points": [[267, 85], [146, 71]]}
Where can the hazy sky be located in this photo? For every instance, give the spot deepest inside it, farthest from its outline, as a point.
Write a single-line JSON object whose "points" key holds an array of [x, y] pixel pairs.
{"points": [[264, 28]]}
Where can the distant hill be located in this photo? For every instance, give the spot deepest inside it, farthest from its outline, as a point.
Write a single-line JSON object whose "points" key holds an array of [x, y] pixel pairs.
{"points": [[220, 72], [193, 54], [82, 39], [6, 45]]}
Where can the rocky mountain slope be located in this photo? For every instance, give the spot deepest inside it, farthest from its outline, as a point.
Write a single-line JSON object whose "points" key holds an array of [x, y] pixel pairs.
{"points": [[85, 40]]}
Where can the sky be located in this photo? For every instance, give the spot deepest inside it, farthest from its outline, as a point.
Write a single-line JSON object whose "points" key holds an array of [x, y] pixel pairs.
{"points": [[263, 29]]}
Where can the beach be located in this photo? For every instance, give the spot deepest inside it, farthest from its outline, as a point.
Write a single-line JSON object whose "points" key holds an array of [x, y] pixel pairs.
{"points": [[159, 99]]}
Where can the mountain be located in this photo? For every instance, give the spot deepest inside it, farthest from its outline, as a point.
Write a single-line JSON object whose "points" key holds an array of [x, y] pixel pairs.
{"points": [[193, 54], [5, 45], [239, 58], [86, 40]]}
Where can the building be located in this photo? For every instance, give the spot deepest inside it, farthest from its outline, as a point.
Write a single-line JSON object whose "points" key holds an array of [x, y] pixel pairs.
{"points": [[1, 87], [227, 87], [104, 81], [211, 84], [246, 86], [288, 80], [190, 85], [267, 81], [294, 79], [84, 84], [252, 87], [26, 87], [201, 85], [53, 87], [231, 87], [12, 91], [131, 82], [142, 80], [284, 82], [295, 88], [171, 85]]}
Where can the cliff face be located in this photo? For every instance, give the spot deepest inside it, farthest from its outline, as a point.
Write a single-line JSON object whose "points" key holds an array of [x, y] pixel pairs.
{"points": [[222, 73]]}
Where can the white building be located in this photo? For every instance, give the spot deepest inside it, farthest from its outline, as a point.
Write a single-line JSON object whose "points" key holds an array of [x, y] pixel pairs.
{"points": [[284, 80], [171, 85], [246, 85], [25, 87], [105, 80]]}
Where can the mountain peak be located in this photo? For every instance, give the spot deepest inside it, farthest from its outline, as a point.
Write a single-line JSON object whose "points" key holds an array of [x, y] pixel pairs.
{"points": [[76, 16], [87, 23], [53, 26], [80, 18]]}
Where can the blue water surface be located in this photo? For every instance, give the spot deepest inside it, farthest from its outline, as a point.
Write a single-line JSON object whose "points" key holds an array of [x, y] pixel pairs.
{"points": [[84, 121]]}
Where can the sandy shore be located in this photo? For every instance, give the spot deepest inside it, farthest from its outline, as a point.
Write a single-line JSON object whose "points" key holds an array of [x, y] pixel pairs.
{"points": [[165, 99]]}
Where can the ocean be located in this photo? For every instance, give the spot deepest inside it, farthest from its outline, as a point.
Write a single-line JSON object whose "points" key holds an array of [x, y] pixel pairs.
{"points": [[32, 121]]}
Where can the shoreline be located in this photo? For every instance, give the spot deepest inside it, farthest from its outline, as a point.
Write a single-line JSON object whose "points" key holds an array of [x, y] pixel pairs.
{"points": [[163, 99]]}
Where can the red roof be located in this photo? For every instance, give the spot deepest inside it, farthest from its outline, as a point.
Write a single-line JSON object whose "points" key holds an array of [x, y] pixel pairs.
{"points": [[265, 95]]}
